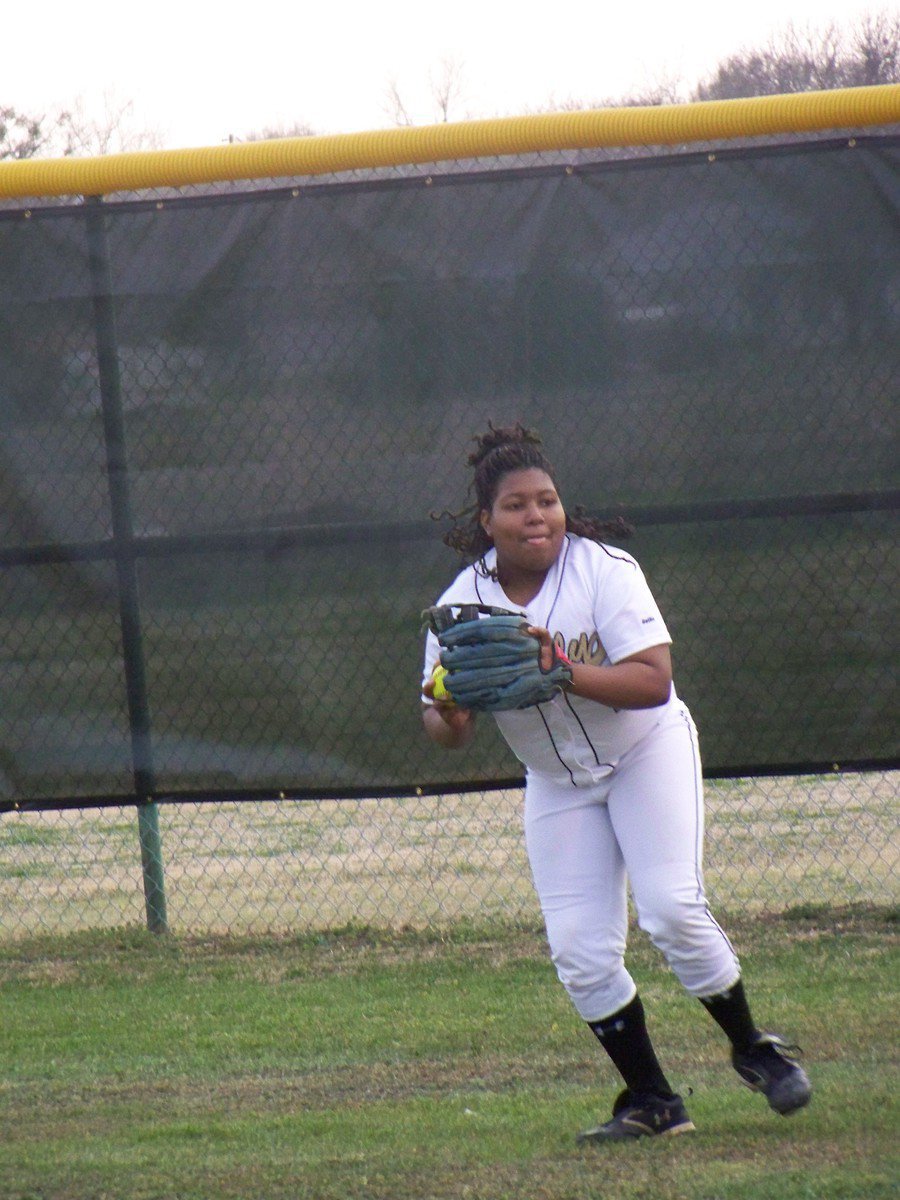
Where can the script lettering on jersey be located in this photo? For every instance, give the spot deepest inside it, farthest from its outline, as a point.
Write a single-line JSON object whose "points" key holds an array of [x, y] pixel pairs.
{"points": [[583, 649]]}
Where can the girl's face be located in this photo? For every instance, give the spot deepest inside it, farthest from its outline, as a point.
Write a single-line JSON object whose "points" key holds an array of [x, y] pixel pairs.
{"points": [[527, 522]]}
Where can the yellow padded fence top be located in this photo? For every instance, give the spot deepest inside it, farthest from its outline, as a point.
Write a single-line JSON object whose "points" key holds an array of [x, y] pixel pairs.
{"points": [[847, 108]]}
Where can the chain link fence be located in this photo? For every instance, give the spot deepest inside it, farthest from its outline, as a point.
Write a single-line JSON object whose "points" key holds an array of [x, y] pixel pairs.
{"points": [[227, 413], [291, 866]]}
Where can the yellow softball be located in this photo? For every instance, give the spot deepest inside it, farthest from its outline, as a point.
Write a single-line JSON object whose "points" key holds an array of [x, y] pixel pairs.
{"points": [[440, 692]]}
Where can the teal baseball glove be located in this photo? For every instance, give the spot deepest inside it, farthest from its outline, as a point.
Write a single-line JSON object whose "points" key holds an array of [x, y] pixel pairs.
{"points": [[493, 663]]}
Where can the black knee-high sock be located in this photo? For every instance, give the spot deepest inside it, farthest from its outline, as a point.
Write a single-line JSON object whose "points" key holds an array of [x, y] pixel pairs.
{"points": [[731, 1011], [625, 1039]]}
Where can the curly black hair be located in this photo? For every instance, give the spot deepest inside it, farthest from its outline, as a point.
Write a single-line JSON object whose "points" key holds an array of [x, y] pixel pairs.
{"points": [[501, 450]]}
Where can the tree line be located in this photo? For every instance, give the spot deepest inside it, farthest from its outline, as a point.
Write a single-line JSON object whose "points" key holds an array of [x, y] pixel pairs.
{"points": [[795, 60]]}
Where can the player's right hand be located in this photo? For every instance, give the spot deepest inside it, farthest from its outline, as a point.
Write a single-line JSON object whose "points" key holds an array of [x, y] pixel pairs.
{"points": [[457, 721], [447, 710], [455, 717]]}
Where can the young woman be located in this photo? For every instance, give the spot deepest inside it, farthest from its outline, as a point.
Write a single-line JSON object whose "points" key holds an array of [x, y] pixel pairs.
{"points": [[613, 790]]}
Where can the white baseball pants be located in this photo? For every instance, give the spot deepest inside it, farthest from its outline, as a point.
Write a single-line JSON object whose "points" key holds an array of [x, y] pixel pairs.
{"points": [[643, 823]]}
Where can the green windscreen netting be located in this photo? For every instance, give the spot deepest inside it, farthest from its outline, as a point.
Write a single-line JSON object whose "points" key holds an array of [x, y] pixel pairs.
{"points": [[227, 418]]}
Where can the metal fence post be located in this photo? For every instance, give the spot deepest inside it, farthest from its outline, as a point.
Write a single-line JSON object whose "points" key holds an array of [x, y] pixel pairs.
{"points": [[126, 575]]}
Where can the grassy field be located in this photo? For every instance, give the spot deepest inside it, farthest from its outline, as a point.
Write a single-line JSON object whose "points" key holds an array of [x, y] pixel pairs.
{"points": [[425, 1065]]}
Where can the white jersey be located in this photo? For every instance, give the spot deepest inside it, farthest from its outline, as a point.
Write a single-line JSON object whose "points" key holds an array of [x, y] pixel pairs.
{"points": [[599, 610]]}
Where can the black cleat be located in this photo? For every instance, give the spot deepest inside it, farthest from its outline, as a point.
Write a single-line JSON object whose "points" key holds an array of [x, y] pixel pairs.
{"points": [[770, 1066], [636, 1115]]}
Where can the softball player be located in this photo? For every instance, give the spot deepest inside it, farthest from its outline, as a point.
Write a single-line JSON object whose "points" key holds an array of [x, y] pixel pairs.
{"points": [[613, 789]]}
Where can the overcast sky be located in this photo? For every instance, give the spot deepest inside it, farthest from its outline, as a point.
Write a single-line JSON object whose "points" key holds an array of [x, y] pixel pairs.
{"points": [[199, 72]]}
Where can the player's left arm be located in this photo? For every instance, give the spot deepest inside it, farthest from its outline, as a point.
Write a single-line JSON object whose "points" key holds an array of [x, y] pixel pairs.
{"points": [[642, 680]]}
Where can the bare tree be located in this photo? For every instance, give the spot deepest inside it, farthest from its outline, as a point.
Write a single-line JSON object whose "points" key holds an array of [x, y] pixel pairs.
{"points": [[298, 129], [446, 90], [394, 106], [667, 91], [804, 60], [111, 132], [796, 60], [877, 49], [21, 136]]}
